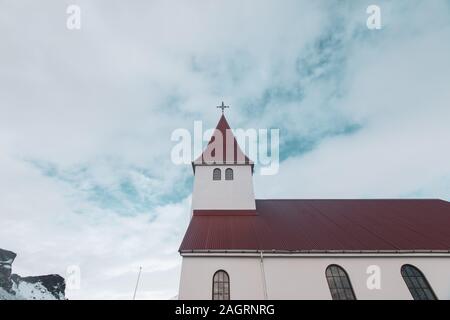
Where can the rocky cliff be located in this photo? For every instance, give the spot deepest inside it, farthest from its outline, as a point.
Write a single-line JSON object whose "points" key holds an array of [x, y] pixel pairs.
{"points": [[15, 287]]}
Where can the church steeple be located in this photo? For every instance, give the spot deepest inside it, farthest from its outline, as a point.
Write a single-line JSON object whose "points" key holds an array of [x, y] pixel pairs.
{"points": [[223, 173], [222, 147]]}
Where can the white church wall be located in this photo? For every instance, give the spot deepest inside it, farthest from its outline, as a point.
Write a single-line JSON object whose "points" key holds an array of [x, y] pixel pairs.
{"points": [[304, 277], [197, 274], [223, 194]]}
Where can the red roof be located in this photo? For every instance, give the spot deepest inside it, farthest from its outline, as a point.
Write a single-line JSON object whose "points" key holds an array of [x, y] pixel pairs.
{"points": [[324, 225], [222, 147]]}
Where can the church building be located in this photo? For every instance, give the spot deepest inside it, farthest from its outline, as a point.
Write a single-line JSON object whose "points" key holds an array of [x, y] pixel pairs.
{"points": [[239, 247]]}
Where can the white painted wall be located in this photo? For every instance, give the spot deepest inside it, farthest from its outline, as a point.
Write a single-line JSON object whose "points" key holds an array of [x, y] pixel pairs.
{"points": [[304, 277], [224, 194]]}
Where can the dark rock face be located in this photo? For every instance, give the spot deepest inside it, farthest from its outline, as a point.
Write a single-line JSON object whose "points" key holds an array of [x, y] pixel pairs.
{"points": [[13, 286], [6, 260]]}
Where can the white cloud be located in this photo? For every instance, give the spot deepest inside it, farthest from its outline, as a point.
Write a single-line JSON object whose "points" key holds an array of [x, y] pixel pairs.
{"points": [[49, 234], [398, 88]]}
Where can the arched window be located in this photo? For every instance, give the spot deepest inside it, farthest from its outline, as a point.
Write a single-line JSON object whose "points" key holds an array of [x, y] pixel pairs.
{"points": [[417, 283], [339, 283], [221, 286], [217, 174], [229, 174]]}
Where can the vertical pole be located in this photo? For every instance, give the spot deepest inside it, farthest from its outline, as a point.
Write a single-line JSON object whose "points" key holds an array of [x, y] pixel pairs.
{"points": [[263, 275], [137, 283]]}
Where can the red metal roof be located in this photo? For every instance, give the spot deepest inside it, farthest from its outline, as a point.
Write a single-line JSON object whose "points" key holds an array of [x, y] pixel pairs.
{"points": [[324, 225], [222, 147]]}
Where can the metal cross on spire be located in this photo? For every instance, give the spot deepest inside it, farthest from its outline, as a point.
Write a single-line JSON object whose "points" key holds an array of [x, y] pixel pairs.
{"points": [[223, 107]]}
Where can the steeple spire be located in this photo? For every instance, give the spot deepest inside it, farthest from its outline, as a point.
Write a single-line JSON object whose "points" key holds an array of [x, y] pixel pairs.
{"points": [[222, 148]]}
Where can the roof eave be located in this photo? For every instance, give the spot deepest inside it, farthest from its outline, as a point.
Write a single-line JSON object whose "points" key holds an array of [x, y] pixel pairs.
{"points": [[311, 252], [234, 163]]}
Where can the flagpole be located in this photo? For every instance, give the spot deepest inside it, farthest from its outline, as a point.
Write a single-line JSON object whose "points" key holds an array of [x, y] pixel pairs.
{"points": [[137, 283]]}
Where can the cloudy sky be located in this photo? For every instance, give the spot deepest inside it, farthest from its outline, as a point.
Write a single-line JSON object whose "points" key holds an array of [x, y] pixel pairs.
{"points": [[86, 118]]}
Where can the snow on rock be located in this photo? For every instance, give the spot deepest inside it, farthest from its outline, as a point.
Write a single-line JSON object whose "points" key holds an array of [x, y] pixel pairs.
{"points": [[39, 288], [5, 295], [15, 287]]}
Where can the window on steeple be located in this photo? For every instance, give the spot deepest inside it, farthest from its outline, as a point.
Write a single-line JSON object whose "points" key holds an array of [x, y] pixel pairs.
{"points": [[217, 174], [229, 174]]}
